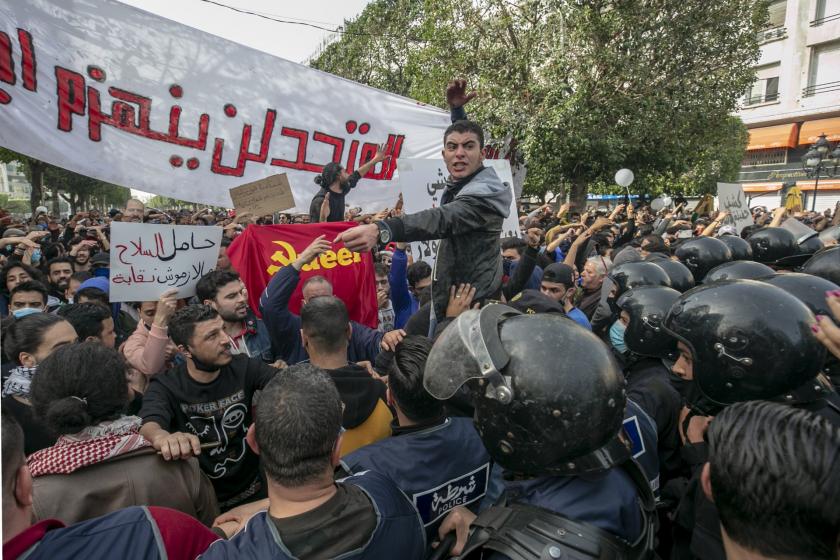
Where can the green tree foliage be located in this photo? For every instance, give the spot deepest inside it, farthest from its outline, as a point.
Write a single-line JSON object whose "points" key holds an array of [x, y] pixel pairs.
{"points": [[166, 203], [77, 190], [585, 87]]}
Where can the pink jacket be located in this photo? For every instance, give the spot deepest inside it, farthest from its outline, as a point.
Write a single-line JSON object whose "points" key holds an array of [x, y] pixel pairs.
{"points": [[146, 349]]}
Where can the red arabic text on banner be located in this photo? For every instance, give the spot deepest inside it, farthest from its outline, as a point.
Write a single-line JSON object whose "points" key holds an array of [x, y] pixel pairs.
{"points": [[106, 89], [261, 251]]}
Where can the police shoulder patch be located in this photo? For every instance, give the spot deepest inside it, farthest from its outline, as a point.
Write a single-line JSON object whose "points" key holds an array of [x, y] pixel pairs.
{"points": [[435, 503]]}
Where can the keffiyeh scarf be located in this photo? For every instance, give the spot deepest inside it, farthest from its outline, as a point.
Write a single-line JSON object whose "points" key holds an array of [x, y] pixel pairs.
{"points": [[92, 445]]}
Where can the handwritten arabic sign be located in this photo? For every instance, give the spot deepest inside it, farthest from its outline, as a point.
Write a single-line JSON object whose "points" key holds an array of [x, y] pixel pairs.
{"points": [[731, 199], [422, 182], [105, 89], [263, 197], [149, 259]]}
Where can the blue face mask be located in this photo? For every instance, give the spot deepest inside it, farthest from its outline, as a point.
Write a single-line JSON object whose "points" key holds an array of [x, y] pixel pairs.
{"points": [[36, 256], [20, 313], [617, 336]]}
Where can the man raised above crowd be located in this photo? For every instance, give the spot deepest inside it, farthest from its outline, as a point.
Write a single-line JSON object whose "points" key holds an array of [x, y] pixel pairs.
{"points": [[468, 221], [335, 183]]}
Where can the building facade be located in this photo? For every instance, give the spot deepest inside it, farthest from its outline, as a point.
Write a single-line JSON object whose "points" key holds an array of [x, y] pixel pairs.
{"points": [[795, 98]]}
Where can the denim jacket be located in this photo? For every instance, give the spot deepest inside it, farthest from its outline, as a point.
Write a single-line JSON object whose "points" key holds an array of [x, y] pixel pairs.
{"points": [[257, 339]]}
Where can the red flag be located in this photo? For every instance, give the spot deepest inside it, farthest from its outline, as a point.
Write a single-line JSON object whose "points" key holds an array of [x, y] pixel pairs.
{"points": [[260, 251]]}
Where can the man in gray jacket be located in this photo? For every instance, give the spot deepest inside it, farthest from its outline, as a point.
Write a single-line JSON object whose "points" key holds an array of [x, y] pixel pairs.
{"points": [[468, 222]]}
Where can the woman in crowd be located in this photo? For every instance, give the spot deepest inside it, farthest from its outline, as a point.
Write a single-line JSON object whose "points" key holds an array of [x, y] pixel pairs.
{"points": [[27, 342], [100, 462]]}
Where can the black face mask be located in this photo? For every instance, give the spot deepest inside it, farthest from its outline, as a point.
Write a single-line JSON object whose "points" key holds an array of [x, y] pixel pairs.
{"points": [[203, 366], [693, 397]]}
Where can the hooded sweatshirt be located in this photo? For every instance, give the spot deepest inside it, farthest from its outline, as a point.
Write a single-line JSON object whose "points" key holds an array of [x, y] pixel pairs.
{"points": [[366, 417]]}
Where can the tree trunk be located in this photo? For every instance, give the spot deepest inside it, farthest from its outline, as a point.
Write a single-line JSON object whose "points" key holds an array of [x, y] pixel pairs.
{"points": [[56, 207], [37, 169], [577, 196]]}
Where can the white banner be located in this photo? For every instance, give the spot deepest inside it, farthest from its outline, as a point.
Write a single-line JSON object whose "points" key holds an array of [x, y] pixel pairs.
{"points": [[422, 182], [149, 259], [128, 97], [731, 199]]}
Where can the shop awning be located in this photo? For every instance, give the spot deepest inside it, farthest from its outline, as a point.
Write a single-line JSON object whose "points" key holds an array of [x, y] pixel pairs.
{"points": [[779, 136], [811, 130], [825, 185], [761, 187]]}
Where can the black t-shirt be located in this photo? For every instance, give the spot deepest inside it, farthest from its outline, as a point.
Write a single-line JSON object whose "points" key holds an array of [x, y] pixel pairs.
{"points": [[343, 523], [336, 201], [36, 435], [217, 412]]}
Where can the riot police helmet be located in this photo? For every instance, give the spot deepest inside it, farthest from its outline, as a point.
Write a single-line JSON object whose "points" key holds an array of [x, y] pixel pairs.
{"points": [[739, 270], [549, 398], [647, 307], [741, 250], [825, 264], [773, 245], [634, 274], [807, 288], [749, 341], [810, 244], [681, 278], [702, 254]]}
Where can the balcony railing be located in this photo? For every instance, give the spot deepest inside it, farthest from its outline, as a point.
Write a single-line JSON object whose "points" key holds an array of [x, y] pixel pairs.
{"points": [[825, 19], [757, 99], [821, 88], [772, 34]]}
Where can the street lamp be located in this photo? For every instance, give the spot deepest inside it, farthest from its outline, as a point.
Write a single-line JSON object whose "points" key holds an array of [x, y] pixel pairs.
{"points": [[818, 159]]}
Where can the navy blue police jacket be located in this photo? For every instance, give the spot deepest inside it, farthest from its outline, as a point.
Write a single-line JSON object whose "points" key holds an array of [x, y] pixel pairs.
{"points": [[438, 467], [609, 499], [640, 429], [398, 529]]}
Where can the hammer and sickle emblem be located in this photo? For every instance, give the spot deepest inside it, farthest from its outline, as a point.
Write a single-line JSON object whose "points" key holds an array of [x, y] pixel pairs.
{"points": [[284, 256]]}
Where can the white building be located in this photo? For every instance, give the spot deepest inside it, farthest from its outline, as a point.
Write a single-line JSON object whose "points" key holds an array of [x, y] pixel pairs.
{"points": [[796, 97], [13, 181]]}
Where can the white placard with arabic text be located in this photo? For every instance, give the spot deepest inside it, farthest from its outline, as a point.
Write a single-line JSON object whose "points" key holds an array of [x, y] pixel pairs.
{"points": [[422, 182], [149, 259], [116, 93], [731, 199]]}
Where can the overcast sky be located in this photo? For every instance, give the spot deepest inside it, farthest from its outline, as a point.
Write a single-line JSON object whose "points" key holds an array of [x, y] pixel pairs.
{"points": [[292, 42]]}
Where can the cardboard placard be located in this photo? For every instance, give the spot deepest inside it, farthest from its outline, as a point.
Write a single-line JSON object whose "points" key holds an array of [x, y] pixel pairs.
{"points": [[731, 198], [263, 197], [149, 259]]}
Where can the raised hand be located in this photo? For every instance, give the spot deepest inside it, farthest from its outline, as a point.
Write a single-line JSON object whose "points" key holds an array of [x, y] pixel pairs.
{"points": [[456, 94]]}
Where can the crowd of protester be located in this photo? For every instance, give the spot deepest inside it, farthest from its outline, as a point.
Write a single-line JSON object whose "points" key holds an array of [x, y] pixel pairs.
{"points": [[668, 383]]}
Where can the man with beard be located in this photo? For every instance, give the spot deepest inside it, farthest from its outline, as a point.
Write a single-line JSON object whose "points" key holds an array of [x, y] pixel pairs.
{"points": [[204, 406], [59, 271], [134, 211], [80, 253], [335, 184], [224, 291]]}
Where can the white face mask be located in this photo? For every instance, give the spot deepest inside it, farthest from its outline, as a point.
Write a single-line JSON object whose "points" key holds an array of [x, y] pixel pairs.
{"points": [[20, 313]]}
